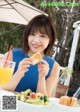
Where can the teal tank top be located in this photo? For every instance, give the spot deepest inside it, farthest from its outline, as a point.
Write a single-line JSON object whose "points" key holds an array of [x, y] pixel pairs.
{"points": [[30, 79]]}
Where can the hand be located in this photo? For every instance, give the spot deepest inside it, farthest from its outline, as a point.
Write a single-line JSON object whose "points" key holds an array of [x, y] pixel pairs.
{"points": [[43, 68], [24, 66]]}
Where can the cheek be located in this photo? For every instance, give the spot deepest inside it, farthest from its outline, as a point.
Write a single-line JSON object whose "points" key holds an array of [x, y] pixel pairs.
{"points": [[29, 39], [46, 43]]}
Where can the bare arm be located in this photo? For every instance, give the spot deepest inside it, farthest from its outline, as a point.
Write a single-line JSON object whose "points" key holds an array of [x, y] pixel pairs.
{"points": [[51, 82], [47, 86], [41, 86], [43, 70]]}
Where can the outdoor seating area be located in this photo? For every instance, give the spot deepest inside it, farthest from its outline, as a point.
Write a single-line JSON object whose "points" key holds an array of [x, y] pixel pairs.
{"points": [[39, 56]]}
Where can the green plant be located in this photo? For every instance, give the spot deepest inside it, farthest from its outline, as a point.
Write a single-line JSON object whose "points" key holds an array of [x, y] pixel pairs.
{"points": [[66, 71]]}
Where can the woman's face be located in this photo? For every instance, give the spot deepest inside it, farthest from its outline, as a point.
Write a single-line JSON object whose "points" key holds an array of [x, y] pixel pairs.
{"points": [[37, 42]]}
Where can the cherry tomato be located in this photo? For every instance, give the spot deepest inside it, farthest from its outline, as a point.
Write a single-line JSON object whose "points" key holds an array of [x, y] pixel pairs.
{"points": [[33, 95]]}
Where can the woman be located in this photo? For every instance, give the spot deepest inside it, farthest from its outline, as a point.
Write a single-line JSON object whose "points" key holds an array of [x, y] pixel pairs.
{"points": [[39, 36]]}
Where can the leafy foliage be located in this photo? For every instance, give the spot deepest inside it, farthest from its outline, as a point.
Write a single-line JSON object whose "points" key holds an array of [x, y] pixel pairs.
{"points": [[10, 34]]}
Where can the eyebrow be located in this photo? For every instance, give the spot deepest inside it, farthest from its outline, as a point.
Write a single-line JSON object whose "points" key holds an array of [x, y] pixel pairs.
{"points": [[39, 31]]}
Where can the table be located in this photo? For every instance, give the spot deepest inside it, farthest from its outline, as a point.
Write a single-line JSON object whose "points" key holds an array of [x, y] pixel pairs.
{"points": [[53, 107]]}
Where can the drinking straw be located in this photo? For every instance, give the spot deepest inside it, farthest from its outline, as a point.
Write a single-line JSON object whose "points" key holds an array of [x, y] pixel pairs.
{"points": [[7, 55]]}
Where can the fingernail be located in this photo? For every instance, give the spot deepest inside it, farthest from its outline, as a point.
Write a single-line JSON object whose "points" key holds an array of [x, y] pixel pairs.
{"points": [[41, 63], [27, 69], [28, 65]]}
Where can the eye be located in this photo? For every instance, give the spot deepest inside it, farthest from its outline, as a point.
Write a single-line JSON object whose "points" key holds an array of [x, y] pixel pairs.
{"points": [[43, 36]]}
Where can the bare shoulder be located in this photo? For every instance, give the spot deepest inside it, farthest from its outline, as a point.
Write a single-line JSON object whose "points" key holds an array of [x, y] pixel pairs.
{"points": [[10, 56], [55, 69], [56, 65]]}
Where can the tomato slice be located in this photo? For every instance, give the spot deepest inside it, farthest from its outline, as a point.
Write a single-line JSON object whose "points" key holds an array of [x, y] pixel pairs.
{"points": [[33, 95]]}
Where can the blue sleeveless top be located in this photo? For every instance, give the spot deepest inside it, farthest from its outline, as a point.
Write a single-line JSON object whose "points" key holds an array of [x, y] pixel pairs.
{"points": [[30, 79]]}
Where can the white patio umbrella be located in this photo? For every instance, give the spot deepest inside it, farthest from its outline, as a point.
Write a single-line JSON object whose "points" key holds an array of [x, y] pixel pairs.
{"points": [[17, 11]]}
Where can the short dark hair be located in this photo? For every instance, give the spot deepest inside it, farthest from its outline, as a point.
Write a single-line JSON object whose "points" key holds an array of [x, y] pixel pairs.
{"points": [[40, 23]]}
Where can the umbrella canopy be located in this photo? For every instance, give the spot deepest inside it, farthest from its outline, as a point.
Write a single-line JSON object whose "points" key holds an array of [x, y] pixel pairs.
{"points": [[17, 11]]}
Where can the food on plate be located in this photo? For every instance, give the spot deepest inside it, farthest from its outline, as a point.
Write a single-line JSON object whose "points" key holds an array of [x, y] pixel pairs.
{"points": [[33, 98], [36, 58], [68, 101]]}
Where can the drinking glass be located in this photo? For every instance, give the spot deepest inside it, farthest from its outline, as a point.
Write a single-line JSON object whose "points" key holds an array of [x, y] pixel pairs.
{"points": [[6, 72]]}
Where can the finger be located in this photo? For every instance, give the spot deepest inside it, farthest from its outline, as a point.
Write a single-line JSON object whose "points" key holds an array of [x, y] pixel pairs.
{"points": [[43, 62], [28, 59], [25, 66], [26, 62], [43, 66], [22, 73], [24, 70], [44, 69]]}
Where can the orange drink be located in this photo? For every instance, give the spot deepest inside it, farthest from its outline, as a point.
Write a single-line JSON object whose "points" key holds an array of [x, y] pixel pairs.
{"points": [[6, 72]]}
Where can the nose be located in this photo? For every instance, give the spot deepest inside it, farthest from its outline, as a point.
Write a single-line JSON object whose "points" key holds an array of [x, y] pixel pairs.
{"points": [[36, 39]]}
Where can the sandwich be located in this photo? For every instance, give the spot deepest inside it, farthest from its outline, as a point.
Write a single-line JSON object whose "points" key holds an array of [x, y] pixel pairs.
{"points": [[36, 58]]}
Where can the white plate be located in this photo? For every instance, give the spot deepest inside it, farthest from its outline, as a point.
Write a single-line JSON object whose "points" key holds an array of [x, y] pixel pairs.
{"points": [[26, 107], [4, 92], [55, 102], [33, 105]]}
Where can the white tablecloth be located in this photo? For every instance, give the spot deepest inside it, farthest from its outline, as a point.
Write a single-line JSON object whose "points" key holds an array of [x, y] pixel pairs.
{"points": [[53, 107]]}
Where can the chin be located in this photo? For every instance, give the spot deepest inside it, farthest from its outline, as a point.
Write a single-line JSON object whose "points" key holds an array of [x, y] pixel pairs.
{"points": [[35, 51]]}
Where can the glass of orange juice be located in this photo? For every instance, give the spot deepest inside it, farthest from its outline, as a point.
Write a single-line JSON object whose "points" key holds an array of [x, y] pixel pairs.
{"points": [[6, 72]]}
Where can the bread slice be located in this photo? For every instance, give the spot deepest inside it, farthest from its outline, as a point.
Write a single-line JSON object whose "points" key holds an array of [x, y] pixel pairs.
{"points": [[66, 98], [36, 58], [73, 102], [63, 100], [68, 101]]}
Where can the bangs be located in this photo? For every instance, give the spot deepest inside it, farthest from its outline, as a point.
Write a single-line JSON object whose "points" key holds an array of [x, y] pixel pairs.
{"points": [[40, 27]]}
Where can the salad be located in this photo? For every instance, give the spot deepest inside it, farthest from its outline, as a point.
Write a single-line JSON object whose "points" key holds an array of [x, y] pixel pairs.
{"points": [[33, 98]]}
